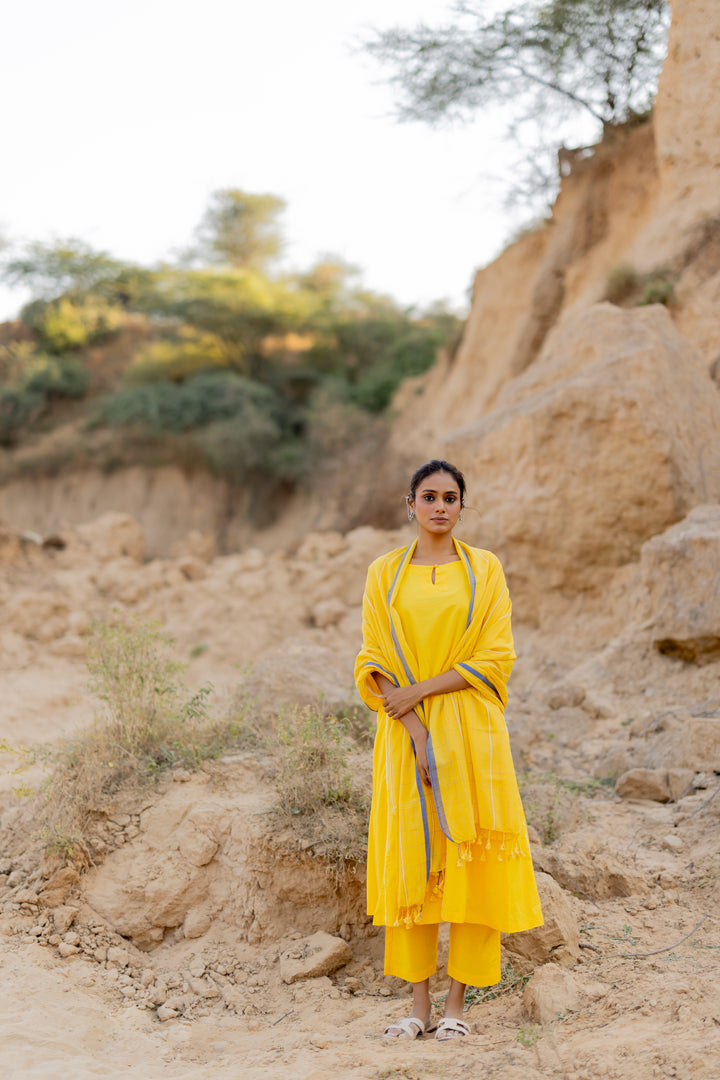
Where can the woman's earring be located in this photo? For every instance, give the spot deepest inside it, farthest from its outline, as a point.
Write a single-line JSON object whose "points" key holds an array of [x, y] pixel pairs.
{"points": [[410, 511], [461, 518]]}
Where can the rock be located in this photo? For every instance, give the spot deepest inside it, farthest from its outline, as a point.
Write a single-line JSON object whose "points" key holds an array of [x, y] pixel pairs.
{"points": [[319, 954], [164, 1012], [73, 938], [328, 613], [197, 847], [687, 742], [605, 384], [112, 536], [159, 993], [56, 891], [557, 940], [197, 922], [119, 957], [673, 842], [192, 568], [680, 571], [550, 994], [644, 784], [42, 616], [204, 988], [599, 874], [63, 918], [680, 782], [65, 949]]}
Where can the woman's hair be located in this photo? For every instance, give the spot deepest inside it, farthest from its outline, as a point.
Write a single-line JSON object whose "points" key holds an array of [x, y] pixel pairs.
{"points": [[437, 466]]}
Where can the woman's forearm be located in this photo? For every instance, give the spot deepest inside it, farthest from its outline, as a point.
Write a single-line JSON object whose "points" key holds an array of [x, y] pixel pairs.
{"points": [[399, 700]]}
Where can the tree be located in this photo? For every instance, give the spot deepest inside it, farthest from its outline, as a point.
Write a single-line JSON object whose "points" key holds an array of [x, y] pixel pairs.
{"points": [[541, 58], [64, 266], [240, 229]]}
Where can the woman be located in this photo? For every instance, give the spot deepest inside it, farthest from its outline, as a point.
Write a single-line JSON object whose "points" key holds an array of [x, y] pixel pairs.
{"points": [[448, 840]]}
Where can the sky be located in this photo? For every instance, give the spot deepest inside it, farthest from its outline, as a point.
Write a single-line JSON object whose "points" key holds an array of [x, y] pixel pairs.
{"points": [[121, 119]]}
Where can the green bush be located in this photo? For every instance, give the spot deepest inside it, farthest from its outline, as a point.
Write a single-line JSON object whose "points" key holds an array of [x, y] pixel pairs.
{"points": [[18, 408], [66, 324], [189, 353], [657, 290], [201, 399], [55, 376]]}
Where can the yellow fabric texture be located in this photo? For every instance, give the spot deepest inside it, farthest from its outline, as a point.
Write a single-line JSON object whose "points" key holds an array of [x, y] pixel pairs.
{"points": [[474, 957], [458, 851]]}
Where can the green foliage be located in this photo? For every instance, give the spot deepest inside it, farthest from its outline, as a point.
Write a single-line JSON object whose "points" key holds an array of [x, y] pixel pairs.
{"points": [[627, 288], [264, 375], [600, 56], [622, 281], [146, 721], [30, 380], [201, 399], [66, 324], [240, 229], [545, 62], [312, 768], [188, 352], [658, 290], [240, 308], [54, 269], [528, 1036], [58, 376], [18, 408]]}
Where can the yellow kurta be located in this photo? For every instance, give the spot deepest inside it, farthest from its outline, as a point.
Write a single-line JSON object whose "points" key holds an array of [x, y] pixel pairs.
{"points": [[457, 852]]}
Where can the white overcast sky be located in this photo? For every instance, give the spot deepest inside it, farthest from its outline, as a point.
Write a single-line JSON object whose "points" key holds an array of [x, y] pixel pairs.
{"points": [[120, 118]]}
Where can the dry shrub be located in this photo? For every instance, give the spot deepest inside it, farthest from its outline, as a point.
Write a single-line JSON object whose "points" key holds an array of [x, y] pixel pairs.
{"points": [[147, 720]]}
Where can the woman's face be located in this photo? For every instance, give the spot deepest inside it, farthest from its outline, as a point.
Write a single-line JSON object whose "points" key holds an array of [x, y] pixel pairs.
{"points": [[437, 503]]}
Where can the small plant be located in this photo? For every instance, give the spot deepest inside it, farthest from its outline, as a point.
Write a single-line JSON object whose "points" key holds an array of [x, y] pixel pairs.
{"points": [[312, 770], [657, 290], [147, 721], [528, 1036], [622, 281], [509, 981]]}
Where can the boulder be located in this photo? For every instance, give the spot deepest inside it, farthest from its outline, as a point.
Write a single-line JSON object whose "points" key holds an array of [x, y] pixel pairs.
{"points": [[606, 385], [686, 743], [319, 954], [550, 994], [680, 573], [557, 939], [112, 536], [644, 784]]}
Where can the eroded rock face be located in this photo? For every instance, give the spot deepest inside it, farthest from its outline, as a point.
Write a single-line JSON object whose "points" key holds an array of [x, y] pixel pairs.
{"points": [[680, 572], [580, 464], [557, 940]]}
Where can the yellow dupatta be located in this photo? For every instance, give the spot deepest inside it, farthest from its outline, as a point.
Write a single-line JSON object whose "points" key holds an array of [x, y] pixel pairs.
{"points": [[473, 781]]}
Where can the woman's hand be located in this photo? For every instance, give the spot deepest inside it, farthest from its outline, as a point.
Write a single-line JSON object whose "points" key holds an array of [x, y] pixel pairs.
{"points": [[420, 743], [402, 699]]}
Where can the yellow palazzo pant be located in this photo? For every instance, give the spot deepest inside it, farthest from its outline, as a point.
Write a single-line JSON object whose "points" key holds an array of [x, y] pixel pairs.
{"points": [[411, 953]]}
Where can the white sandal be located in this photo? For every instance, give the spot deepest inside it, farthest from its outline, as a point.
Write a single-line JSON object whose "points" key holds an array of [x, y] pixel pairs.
{"points": [[408, 1028], [450, 1023]]}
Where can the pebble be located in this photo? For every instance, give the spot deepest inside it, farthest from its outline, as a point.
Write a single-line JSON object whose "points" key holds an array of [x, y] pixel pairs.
{"points": [[65, 949], [385, 991], [166, 1013]]}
